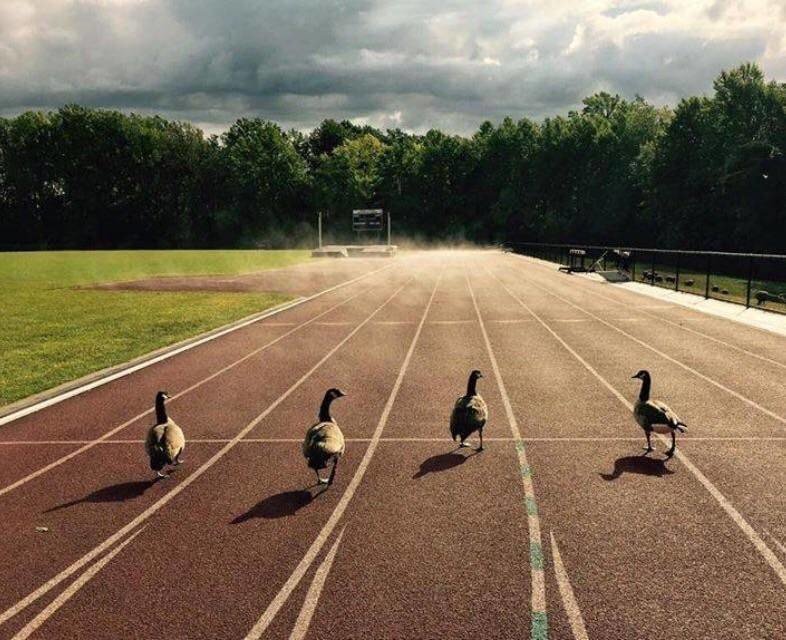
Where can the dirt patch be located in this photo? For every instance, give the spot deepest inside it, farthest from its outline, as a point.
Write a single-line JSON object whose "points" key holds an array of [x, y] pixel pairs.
{"points": [[302, 280]]}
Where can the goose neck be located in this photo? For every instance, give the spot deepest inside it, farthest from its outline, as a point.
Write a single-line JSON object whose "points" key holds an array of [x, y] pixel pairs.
{"points": [[161, 416], [472, 386], [324, 409], [644, 394]]}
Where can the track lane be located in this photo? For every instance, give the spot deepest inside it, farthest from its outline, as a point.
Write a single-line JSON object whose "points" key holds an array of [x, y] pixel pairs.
{"points": [[228, 535], [645, 508], [447, 555], [194, 474], [158, 377]]}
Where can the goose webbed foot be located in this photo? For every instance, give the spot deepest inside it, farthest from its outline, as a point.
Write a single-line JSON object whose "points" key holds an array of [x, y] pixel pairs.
{"points": [[463, 445], [160, 475], [323, 481], [647, 450]]}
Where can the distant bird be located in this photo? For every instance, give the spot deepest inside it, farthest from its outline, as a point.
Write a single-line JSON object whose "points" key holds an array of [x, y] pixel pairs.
{"points": [[470, 413], [165, 440], [765, 296], [324, 441], [656, 416], [689, 282]]}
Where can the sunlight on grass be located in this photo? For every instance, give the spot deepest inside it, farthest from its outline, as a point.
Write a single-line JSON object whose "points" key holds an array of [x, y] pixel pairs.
{"points": [[52, 333]]}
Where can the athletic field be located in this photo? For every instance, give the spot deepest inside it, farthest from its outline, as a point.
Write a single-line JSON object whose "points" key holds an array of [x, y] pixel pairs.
{"points": [[558, 529]]}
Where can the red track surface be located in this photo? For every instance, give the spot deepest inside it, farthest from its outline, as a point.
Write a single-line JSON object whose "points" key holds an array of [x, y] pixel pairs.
{"points": [[436, 543]]}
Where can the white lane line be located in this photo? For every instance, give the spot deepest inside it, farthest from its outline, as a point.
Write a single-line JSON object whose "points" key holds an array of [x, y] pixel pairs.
{"points": [[314, 591], [699, 316], [188, 480], [297, 575], [769, 556], [569, 602], [450, 322], [777, 542], [665, 356], [333, 324], [91, 443], [538, 613], [684, 438], [511, 321], [75, 586], [169, 354]]}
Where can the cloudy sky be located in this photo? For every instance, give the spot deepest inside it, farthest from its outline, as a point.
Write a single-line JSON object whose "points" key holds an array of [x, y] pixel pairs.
{"points": [[415, 64]]}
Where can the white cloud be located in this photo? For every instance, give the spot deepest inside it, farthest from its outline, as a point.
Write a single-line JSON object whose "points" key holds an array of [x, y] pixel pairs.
{"points": [[414, 64]]}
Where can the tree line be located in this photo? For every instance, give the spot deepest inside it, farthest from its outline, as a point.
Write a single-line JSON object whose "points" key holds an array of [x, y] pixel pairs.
{"points": [[708, 174]]}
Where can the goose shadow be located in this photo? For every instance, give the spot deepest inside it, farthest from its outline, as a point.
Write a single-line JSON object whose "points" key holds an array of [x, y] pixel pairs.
{"points": [[641, 465], [113, 493], [280, 505], [442, 462]]}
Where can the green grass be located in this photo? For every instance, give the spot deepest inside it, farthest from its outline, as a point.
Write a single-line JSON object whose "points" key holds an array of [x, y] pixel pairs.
{"points": [[52, 332], [736, 287]]}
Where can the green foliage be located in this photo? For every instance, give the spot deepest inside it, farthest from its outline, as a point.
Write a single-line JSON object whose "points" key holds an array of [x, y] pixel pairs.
{"points": [[709, 175]]}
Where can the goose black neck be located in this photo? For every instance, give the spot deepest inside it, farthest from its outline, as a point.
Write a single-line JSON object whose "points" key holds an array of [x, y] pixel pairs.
{"points": [[644, 395], [161, 416], [324, 409], [472, 386]]}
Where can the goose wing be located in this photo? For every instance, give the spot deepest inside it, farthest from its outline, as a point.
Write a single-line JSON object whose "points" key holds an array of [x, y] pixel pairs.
{"points": [[655, 412], [174, 440], [324, 438], [154, 445], [469, 414]]}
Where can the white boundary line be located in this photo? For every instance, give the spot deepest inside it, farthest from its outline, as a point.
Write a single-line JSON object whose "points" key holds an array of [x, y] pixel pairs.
{"points": [[196, 441], [187, 481], [665, 356], [569, 602], [91, 443], [75, 586], [215, 333], [538, 612], [314, 591], [767, 554], [313, 551]]}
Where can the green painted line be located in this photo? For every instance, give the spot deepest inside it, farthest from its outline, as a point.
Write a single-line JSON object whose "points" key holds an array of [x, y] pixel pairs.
{"points": [[526, 471], [532, 507], [536, 555], [540, 626]]}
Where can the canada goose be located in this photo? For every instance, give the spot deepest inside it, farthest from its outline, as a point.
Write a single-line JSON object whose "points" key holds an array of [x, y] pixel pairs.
{"points": [[689, 282], [165, 440], [324, 440], [765, 296], [469, 413], [653, 415], [725, 292], [715, 288]]}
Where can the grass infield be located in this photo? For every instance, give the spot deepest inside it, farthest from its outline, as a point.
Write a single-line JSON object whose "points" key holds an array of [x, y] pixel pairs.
{"points": [[53, 332]]}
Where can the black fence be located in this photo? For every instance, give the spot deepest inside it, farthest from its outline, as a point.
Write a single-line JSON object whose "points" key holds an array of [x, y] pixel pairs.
{"points": [[751, 279]]}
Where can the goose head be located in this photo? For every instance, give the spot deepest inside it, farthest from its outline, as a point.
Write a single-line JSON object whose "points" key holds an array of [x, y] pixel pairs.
{"points": [[334, 393], [641, 375], [161, 396]]}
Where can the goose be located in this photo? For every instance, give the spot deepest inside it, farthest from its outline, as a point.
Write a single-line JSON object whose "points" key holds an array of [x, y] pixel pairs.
{"points": [[324, 441], [165, 440], [470, 413], [653, 415]]}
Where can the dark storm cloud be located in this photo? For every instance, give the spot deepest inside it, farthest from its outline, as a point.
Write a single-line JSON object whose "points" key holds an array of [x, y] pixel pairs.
{"points": [[411, 64]]}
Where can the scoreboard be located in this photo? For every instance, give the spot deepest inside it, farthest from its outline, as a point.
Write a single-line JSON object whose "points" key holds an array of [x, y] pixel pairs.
{"points": [[368, 219]]}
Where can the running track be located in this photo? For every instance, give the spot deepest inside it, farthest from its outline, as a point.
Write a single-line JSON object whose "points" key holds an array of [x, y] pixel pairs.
{"points": [[558, 529]]}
